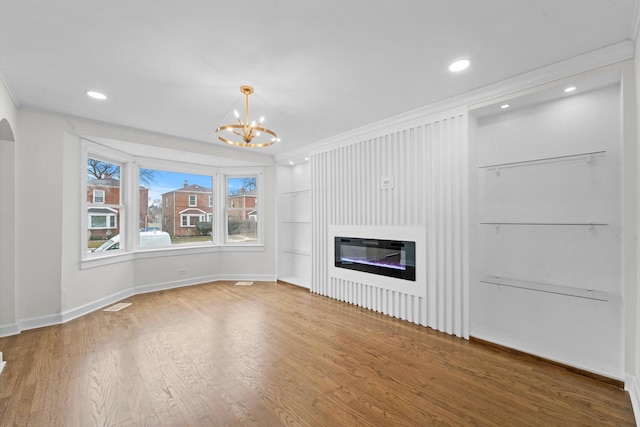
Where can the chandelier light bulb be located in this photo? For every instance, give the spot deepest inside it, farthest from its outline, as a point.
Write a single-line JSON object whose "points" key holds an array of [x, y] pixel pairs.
{"points": [[235, 113]]}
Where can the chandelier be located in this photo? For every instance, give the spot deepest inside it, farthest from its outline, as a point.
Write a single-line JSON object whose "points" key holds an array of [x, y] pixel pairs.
{"points": [[246, 133]]}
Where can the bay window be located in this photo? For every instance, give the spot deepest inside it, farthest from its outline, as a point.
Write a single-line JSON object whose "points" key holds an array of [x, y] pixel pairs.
{"points": [[191, 206]]}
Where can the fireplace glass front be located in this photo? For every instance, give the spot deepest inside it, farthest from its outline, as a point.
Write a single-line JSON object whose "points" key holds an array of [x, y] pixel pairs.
{"points": [[393, 258]]}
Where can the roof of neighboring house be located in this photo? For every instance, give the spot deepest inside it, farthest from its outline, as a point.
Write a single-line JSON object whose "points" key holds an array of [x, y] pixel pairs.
{"points": [[193, 188], [108, 182], [251, 193], [192, 211], [102, 211]]}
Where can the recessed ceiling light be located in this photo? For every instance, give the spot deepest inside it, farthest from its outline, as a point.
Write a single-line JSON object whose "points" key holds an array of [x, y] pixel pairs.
{"points": [[459, 65], [306, 159], [291, 162], [570, 89], [505, 106], [96, 95]]}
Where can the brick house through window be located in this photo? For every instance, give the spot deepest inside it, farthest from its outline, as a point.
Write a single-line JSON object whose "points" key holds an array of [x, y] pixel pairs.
{"points": [[184, 207], [242, 206], [103, 197]]}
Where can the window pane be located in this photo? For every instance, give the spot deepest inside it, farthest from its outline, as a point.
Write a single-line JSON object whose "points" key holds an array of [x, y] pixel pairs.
{"points": [[103, 202], [173, 203], [98, 221], [98, 196], [242, 215]]}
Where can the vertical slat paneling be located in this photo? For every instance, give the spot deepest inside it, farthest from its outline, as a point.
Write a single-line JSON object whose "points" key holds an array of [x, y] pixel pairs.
{"points": [[428, 164], [465, 249], [447, 225], [456, 296]]}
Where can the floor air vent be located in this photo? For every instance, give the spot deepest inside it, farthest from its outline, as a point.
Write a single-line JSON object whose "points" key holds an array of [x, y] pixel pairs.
{"points": [[244, 283], [118, 307]]}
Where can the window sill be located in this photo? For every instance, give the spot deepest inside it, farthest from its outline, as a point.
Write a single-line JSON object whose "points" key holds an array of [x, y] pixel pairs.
{"points": [[165, 252]]}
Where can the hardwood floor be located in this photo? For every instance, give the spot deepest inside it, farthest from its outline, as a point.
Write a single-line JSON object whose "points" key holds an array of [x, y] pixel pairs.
{"points": [[272, 354]]}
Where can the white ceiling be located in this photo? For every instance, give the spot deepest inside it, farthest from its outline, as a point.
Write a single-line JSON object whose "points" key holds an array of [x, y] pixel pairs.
{"points": [[319, 67]]}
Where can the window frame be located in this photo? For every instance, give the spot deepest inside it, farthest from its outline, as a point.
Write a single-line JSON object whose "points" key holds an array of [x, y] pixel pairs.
{"points": [[105, 154], [94, 197], [108, 226], [243, 173], [188, 218]]}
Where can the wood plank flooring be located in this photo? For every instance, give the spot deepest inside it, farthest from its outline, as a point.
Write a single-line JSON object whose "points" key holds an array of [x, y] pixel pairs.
{"points": [[272, 354]]}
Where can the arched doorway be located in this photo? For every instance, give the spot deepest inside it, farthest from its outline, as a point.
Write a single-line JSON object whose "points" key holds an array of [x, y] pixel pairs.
{"points": [[6, 134], [7, 233]]}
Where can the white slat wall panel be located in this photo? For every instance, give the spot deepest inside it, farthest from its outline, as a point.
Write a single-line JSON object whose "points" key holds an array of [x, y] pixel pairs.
{"points": [[429, 165]]}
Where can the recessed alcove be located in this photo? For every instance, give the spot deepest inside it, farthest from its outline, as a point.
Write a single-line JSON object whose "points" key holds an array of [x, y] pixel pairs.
{"points": [[547, 277]]}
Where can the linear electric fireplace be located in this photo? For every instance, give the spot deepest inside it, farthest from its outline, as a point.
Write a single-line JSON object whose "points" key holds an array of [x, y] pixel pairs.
{"points": [[393, 258]]}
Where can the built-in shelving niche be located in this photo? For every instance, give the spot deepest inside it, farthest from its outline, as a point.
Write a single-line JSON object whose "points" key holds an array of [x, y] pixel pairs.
{"points": [[548, 276], [294, 225]]}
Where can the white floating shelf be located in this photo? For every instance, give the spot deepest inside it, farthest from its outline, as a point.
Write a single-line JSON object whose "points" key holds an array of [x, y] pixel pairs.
{"points": [[297, 252], [545, 287], [572, 157], [583, 224], [294, 192]]}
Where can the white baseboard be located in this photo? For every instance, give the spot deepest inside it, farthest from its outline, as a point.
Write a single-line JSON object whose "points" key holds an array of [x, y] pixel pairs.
{"points": [[633, 387], [96, 305], [205, 279], [145, 289], [56, 319], [39, 322], [2, 363], [520, 345], [8, 330]]}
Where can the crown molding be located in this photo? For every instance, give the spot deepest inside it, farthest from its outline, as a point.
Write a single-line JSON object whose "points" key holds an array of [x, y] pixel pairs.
{"points": [[635, 23], [3, 80], [593, 60]]}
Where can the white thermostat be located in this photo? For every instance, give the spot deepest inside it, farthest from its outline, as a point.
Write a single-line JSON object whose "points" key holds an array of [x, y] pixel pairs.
{"points": [[386, 182]]}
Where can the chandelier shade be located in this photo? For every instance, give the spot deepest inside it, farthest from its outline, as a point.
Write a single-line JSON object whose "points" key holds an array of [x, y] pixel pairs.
{"points": [[246, 133]]}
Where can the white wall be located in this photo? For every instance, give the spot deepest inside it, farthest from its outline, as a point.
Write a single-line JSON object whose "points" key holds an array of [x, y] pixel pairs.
{"points": [[582, 332], [632, 216], [8, 122], [50, 286], [427, 161]]}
